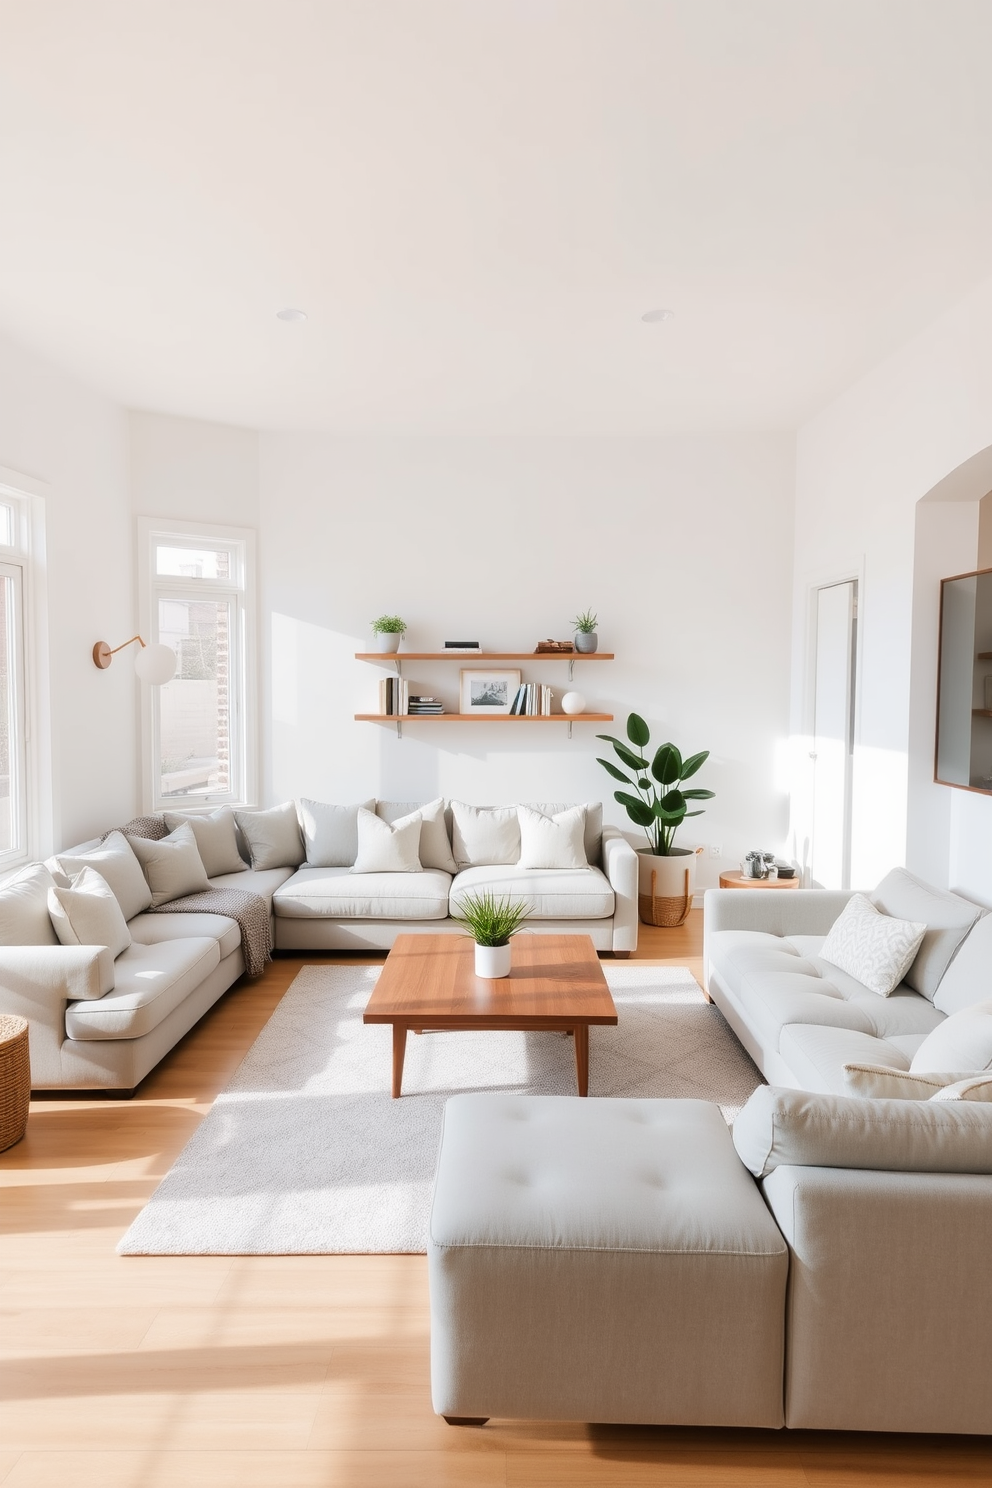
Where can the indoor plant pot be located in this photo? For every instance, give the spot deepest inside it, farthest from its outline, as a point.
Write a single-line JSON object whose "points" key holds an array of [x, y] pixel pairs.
{"points": [[492, 961], [665, 885], [387, 632], [491, 922], [586, 639]]}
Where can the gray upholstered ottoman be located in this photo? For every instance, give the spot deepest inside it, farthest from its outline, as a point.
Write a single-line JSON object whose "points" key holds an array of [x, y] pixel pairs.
{"points": [[602, 1260]]}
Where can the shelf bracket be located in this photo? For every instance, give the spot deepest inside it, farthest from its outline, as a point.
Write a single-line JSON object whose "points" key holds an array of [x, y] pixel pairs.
{"points": [[399, 728], [569, 722], [571, 674]]}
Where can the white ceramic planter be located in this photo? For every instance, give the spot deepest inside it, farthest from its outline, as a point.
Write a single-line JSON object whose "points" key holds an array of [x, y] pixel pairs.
{"points": [[492, 961], [664, 893], [388, 640]]}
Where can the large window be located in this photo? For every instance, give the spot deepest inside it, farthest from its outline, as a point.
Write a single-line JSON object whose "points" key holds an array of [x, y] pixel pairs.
{"points": [[15, 767], [199, 585]]}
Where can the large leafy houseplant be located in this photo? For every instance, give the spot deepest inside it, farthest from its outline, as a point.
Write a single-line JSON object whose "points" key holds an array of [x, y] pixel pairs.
{"points": [[662, 803]]}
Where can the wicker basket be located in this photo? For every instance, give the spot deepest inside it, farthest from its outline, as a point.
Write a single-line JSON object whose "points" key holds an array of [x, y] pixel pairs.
{"points": [[15, 1079], [665, 911]]}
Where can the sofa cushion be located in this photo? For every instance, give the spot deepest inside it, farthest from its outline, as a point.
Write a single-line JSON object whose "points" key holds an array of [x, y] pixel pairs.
{"points": [[115, 861], [482, 835], [216, 839], [330, 832], [388, 847], [172, 865], [552, 841], [774, 1000], [797, 1129], [593, 827], [570, 894], [24, 915], [879, 1082], [871, 946], [816, 1055], [152, 929], [261, 881], [274, 837], [968, 979], [339, 894], [435, 839], [947, 916], [962, 1042], [150, 982], [734, 954], [971, 1088], [87, 913]]}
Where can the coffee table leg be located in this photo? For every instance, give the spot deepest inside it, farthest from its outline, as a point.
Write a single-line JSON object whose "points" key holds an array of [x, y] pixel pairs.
{"points": [[399, 1050], [582, 1057]]}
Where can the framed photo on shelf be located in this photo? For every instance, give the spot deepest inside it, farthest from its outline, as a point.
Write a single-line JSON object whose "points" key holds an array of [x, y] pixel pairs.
{"points": [[487, 689]]}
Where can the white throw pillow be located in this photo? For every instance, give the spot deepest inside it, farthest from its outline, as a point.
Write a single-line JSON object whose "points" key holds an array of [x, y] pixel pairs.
{"points": [[216, 839], [962, 1042], [880, 1082], [482, 835], [273, 837], [552, 841], [172, 865], [385, 847], [874, 948], [24, 916], [435, 844], [973, 1088], [87, 913], [331, 832], [115, 861]]}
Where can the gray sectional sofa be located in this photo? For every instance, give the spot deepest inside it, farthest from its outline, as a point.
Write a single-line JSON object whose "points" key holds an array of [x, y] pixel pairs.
{"points": [[102, 1017]]}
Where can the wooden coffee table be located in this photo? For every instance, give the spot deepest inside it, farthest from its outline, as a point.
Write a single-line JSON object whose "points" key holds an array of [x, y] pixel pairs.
{"points": [[429, 984]]}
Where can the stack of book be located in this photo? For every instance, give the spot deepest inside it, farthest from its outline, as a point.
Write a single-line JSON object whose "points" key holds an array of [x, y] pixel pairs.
{"points": [[533, 700], [394, 697], [422, 704]]}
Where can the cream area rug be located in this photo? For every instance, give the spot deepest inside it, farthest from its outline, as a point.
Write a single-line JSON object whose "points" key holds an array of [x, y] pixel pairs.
{"points": [[306, 1152]]}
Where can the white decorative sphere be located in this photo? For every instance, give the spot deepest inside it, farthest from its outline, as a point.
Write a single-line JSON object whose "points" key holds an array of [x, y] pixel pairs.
{"points": [[156, 664], [572, 703]]}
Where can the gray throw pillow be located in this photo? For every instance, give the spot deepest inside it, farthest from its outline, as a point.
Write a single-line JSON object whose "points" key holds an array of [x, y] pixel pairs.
{"points": [[216, 839], [87, 913], [115, 861], [22, 900], [273, 837], [331, 832], [172, 866]]}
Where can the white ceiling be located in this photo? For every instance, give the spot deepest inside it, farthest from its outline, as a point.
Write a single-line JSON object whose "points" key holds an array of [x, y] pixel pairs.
{"points": [[476, 200]]}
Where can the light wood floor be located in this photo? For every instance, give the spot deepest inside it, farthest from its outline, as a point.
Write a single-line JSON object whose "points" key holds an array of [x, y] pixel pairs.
{"points": [[293, 1372]]}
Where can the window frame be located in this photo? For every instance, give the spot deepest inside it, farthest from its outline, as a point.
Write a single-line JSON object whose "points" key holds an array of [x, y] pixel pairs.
{"points": [[24, 556], [240, 591]]}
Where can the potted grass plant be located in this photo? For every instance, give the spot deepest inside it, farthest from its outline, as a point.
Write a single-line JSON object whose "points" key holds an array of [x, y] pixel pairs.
{"points": [[666, 873], [491, 921], [584, 625], [388, 630]]}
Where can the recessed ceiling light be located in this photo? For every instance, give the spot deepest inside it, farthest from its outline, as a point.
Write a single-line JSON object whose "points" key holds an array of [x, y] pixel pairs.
{"points": [[652, 315], [291, 315]]}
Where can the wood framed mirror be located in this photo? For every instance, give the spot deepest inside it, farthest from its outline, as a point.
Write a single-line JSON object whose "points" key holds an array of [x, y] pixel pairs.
{"points": [[963, 752]]}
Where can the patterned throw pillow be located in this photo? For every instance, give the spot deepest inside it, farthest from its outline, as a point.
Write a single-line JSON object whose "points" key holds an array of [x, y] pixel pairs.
{"points": [[874, 948]]}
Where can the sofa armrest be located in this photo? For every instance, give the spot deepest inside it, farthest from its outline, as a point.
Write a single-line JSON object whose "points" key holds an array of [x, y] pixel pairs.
{"points": [[36, 982], [620, 867]]}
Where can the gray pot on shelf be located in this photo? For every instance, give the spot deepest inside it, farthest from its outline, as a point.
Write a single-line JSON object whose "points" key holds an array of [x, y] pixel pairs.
{"points": [[587, 641]]}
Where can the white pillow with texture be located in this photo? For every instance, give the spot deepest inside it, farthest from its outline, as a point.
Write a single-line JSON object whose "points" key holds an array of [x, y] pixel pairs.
{"points": [[552, 841], [172, 865], [115, 861], [435, 844], [273, 836], [973, 1088], [331, 832], [881, 1082], [872, 947], [388, 847], [216, 839], [962, 1042], [483, 835], [87, 913], [24, 916]]}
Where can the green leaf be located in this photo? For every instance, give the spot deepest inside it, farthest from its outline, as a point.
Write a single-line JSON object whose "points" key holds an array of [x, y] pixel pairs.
{"points": [[644, 784], [666, 767], [694, 813], [637, 731], [670, 817], [673, 801], [608, 738], [631, 760], [612, 770], [699, 795], [638, 811], [693, 763]]}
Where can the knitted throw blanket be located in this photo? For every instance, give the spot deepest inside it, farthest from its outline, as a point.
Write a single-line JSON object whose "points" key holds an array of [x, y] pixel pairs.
{"points": [[250, 911]]}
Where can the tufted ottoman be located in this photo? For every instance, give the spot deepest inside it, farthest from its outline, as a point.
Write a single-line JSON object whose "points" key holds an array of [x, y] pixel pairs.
{"points": [[602, 1260]]}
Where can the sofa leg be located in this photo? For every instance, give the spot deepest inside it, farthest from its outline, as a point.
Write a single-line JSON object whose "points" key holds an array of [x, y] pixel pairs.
{"points": [[466, 1420], [620, 955]]}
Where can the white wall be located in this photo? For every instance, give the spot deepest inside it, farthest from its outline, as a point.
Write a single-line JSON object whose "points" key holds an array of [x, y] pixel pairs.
{"points": [[187, 470], [61, 433], [863, 465], [682, 545]]}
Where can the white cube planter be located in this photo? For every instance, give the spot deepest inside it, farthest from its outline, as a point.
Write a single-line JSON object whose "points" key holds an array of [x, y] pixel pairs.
{"points": [[492, 961]]}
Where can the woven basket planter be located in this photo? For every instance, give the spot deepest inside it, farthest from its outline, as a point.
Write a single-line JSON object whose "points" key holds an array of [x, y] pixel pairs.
{"points": [[15, 1079], [665, 887]]}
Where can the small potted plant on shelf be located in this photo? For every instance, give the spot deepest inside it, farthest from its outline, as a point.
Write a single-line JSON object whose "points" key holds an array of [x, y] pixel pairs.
{"points": [[388, 630], [666, 873], [586, 638], [491, 921]]}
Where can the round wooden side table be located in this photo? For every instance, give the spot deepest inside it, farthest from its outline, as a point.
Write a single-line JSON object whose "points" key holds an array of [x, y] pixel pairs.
{"points": [[738, 881], [15, 1079]]}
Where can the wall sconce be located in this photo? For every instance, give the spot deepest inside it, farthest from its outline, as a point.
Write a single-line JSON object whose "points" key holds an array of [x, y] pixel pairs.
{"points": [[155, 663]]}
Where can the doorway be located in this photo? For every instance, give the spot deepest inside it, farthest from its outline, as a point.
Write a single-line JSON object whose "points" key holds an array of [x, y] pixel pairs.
{"points": [[835, 649]]}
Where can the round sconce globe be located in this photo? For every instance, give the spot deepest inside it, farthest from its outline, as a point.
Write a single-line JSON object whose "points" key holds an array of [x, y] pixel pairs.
{"points": [[156, 664]]}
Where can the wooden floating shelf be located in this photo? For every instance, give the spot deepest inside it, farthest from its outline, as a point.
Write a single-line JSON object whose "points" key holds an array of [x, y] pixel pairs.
{"points": [[483, 717], [981, 712], [468, 656], [984, 656]]}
